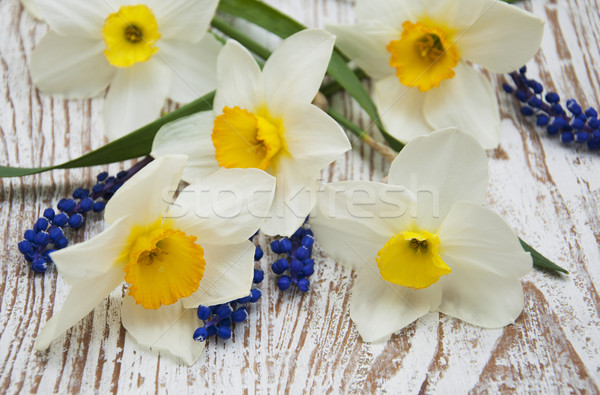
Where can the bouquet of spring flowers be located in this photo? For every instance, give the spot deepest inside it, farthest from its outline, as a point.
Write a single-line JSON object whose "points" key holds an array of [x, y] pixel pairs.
{"points": [[228, 193]]}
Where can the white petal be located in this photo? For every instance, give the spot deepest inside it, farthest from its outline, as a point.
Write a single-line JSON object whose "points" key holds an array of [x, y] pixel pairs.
{"points": [[475, 237], [77, 18], [83, 297], [194, 67], [71, 66], [456, 15], [480, 297], [441, 169], [228, 274], [313, 138], [32, 9], [401, 109], [296, 68], [354, 219], [383, 208], [391, 12], [225, 207], [380, 308], [295, 197], [365, 44], [189, 136], [467, 102], [349, 243], [503, 38], [239, 80], [94, 257], [135, 97], [184, 19], [147, 195], [169, 328]]}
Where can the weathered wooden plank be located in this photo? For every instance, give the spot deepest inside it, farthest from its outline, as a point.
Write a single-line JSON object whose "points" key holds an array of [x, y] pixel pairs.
{"points": [[293, 342]]}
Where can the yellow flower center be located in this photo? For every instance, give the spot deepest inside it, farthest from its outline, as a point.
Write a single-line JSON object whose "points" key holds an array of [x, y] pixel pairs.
{"points": [[423, 57], [164, 265], [129, 35], [411, 259], [243, 139]]}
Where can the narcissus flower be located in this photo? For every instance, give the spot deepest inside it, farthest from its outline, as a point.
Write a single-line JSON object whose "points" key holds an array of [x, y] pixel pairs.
{"points": [[265, 120], [417, 51], [424, 242], [146, 51], [172, 257]]}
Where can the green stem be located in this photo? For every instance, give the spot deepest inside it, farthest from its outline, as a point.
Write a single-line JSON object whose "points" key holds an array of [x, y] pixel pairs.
{"points": [[345, 122], [334, 87], [240, 37]]}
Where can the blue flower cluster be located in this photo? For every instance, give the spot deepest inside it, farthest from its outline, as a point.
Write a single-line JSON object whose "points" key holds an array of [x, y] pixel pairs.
{"points": [[572, 124], [297, 262], [218, 319], [48, 233]]}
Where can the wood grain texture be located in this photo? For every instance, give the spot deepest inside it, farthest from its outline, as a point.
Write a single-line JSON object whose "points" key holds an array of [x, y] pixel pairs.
{"points": [[306, 343]]}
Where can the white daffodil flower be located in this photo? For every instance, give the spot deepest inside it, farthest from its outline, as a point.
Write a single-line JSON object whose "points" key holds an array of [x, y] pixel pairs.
{"points": [[265, 120], [424, 242], [172, 257], [145, 50], [417, 52]]}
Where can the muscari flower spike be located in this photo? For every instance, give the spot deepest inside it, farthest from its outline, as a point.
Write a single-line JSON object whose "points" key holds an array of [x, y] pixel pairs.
{"points": [[298, 262], [572, 124], [48, 232], [218, 319]]}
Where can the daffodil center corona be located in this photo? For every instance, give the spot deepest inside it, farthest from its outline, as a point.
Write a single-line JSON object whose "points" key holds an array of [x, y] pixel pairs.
{"points": [[245, 140], [164, 265], [130, 35], [411, 259], [430, 47], [424, 56], [420, 246], [133, 34]]}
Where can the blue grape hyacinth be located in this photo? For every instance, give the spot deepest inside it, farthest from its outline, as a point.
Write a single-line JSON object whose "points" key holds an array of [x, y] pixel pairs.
{"points": [[219, 319], [570, 122], [296, 263], [48, 232]]}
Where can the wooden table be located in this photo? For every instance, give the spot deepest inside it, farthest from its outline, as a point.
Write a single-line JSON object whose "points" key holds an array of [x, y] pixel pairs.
{"points": [[549, 193]]}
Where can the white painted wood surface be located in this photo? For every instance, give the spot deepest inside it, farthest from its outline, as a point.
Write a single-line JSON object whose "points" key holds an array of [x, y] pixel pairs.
{"points": [[550, 194]]}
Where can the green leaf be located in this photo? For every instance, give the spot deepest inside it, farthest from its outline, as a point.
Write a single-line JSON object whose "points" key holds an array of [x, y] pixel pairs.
{"points": [[282, 25], [133, 145], [262, 15], [541, 262]]}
